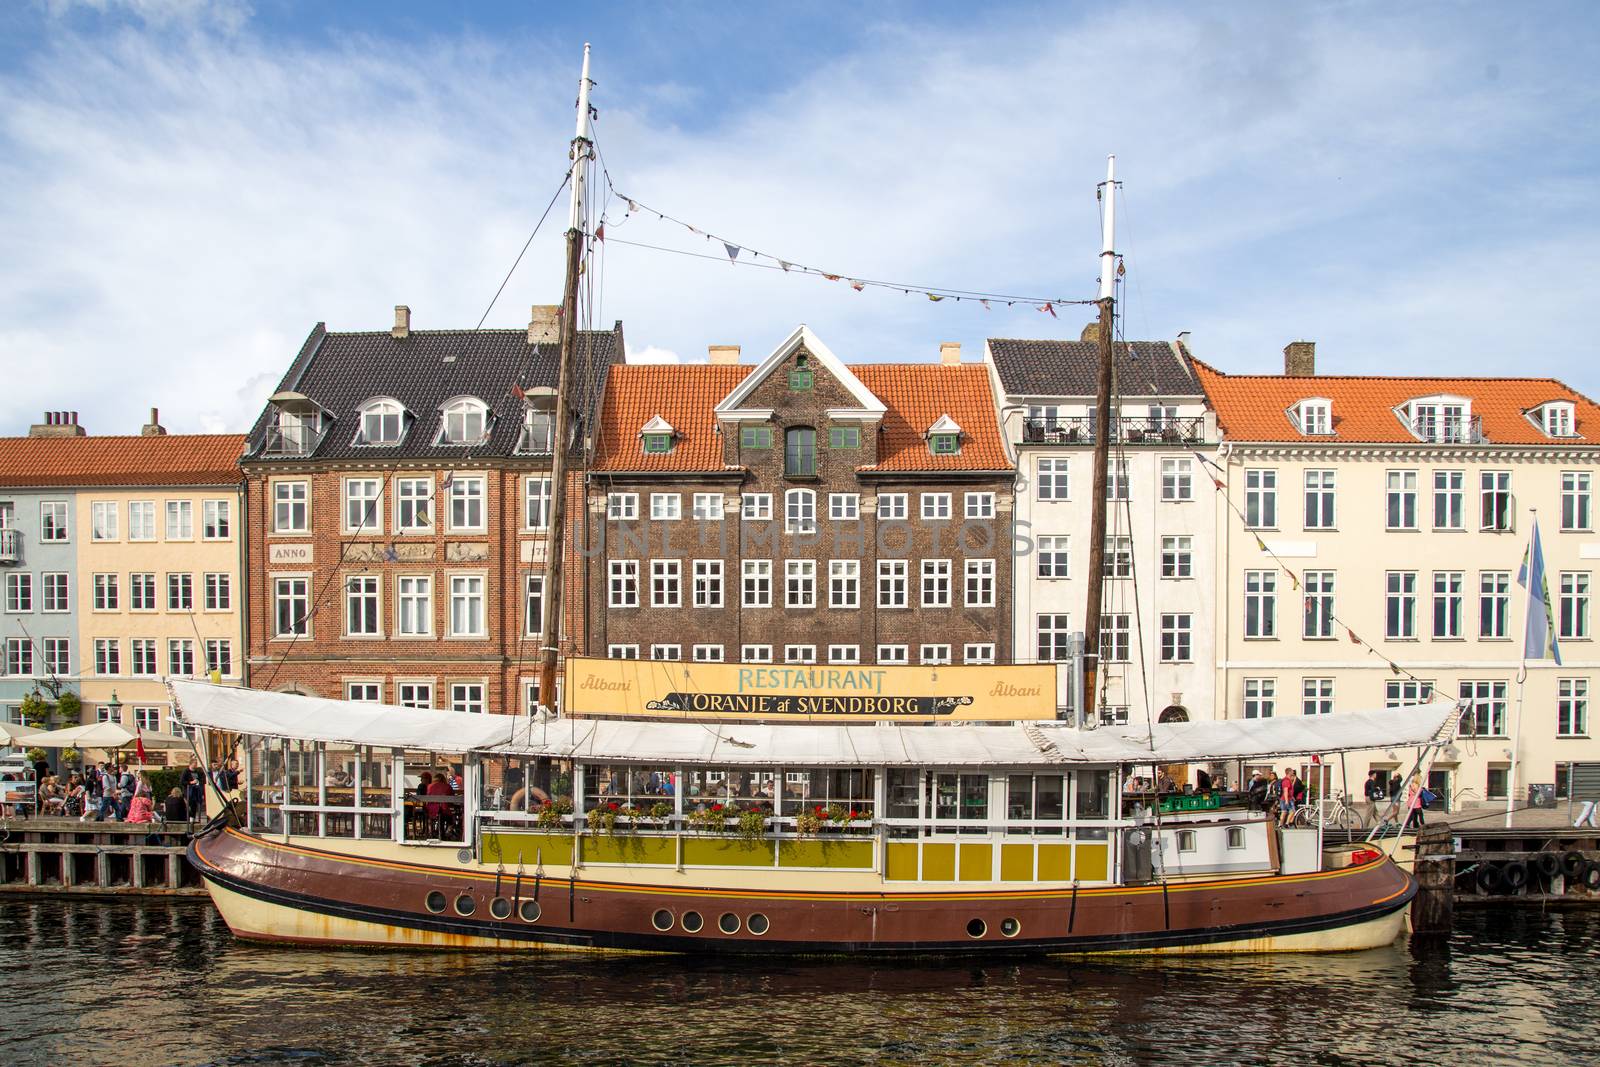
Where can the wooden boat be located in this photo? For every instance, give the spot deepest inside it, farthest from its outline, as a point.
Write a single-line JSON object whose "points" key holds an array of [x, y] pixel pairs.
{"points": [[884, 839]]}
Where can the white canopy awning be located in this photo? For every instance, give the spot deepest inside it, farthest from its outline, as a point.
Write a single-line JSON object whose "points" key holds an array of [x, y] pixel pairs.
{"points": [[624, 741], [15, 734], [103, 735], [251, 711]]}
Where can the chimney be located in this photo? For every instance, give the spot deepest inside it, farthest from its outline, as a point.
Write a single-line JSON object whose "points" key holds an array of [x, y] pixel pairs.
{"points": [[154, 428], [723, 355], [544, 324], [1300, 359], [1183, 339], [950, 353], [1091, 332], [57, 424], [402, 323]]}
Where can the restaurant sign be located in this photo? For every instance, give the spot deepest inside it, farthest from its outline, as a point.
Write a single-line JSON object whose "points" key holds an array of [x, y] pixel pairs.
{"points": [[661, 689]]}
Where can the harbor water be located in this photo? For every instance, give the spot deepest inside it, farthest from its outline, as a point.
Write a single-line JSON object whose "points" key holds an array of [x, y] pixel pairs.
{"points": [[122, 982]]}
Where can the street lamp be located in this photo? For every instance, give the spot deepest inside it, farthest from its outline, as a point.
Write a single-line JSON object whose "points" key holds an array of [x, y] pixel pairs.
{"points": [[114, 706]]}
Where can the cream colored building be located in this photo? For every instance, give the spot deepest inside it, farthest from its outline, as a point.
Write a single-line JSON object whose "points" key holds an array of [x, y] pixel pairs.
{"points": [[1376, 521]]}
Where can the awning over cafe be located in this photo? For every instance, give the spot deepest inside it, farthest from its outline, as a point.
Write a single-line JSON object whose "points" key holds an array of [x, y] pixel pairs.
{"points": [[735, 744]]}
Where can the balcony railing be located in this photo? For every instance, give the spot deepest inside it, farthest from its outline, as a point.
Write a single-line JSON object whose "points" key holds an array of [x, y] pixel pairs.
{"points": [[1124, 429], [536, 439], [291, 440], [10, 547], [1451, 430]]}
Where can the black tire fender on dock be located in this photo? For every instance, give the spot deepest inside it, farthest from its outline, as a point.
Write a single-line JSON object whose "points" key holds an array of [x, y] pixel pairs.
{"points": [[1549, 864], [1573, 865], [1516, 875], [1591, 876], [1490, 877]]}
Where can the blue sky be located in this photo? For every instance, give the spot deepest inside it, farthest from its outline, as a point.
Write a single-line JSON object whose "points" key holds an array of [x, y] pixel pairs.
{"points": [[190, 186]]}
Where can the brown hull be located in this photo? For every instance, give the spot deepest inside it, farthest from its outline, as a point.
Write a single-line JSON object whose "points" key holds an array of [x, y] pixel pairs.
{"points": [[384, 902]]}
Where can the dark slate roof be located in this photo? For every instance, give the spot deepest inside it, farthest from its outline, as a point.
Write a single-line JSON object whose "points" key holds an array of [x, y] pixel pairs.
{"points": [[342, 371], [1072, 368]]}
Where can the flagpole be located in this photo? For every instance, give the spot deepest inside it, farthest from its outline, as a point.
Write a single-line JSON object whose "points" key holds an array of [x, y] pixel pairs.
{"points": [[1522, 680]]}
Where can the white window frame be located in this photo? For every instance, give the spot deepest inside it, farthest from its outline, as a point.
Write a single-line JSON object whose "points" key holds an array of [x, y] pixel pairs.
{"points": [[179, 520], [894, 507], [291, 501], [800, 583], [413, 603], [979, 580], [844, 583], [844, 655], [1054, 481], [894, 580], [1177, 637], [469, 493], [978, 505], [894, 655], [755, 507], [1261, 498], [934, 655], [414, 495], [367, 494], [979, 653], [1177, 479], [666, 507], [937, 576], [799, 511], [363, 606], [755, 653], [755, 576], [706, 507], [935, 507], [622, 583], [804, 654], [142, 528], [104, 521], [844, 507], [536, 502], [466, 589], [666, 583], [622, 507], [216, 520], [708, 583]]}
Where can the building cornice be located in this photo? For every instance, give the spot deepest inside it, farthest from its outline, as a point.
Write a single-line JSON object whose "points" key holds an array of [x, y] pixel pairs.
{"points": [[1418, 452]]}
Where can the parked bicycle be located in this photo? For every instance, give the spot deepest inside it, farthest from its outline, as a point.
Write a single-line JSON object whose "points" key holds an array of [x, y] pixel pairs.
{"points": [[1332, 813]]}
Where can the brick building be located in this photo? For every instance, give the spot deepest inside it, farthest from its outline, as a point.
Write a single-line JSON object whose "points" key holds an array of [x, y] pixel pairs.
{"points": [[800, 511], [397, 492]]}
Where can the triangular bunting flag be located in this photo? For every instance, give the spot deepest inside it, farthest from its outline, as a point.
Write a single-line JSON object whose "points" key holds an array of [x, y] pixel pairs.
{"points": [[986, 306], [1050, 308], [784, 265], [858, 286], [1354, 640], [831, 277], [935, 298], [1262, 545], [600, 232], [733, 251], [632, 207], [1294, 581]]}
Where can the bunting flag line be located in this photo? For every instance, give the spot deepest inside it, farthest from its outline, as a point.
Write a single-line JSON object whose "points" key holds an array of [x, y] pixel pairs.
{"points": [[743, 255]]}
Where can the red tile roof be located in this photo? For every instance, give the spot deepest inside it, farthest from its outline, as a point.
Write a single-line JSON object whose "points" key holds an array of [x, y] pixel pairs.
{"points": [[686, 396], [1254, 407], [176, 459], [916, 394]]}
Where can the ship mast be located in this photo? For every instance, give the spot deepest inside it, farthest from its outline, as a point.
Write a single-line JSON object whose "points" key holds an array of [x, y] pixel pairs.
{"points": [[550, 629], [1102, 445]]}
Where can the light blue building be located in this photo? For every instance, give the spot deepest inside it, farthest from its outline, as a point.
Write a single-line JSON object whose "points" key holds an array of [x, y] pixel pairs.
{"points": [[39, 643]]}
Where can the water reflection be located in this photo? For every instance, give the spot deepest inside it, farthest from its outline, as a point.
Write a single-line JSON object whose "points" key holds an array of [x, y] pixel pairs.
{"points": [[83, 977]]}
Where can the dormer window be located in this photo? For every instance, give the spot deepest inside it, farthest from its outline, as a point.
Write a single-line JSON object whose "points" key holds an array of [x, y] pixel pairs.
{"points": [[655, 436], [1556, 418], [297, 426], [382, 422], [466, 421], [1314, 416], [944, 437], [1442, 420]]}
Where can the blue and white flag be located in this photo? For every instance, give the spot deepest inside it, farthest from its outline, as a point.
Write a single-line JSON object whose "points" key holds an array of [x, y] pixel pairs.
{"points": [[1540, 631]]}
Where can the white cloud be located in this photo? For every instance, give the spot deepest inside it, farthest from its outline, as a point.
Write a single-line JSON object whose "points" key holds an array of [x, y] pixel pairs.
{"points": [[183, 206]]}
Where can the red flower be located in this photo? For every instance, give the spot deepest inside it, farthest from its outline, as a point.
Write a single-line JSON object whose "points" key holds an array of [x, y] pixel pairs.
{"points": [[613, 806], [854, 814], [716, 807], [818, 810]]}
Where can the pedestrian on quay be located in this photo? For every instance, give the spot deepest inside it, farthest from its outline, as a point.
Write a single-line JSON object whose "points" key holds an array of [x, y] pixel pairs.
{"points": [[230, 779], [193, 783], [127, 786], [1291, 794], [108, 794], [1375, 792], [1414, 805], [175, 808], [141, 808]]}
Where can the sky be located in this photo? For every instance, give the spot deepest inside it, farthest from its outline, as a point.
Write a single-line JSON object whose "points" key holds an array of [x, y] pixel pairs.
{"points": [[189, 187]]}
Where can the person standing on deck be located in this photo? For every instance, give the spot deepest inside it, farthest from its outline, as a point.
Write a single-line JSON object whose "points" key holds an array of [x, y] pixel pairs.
{"points": [[1375, 794]]}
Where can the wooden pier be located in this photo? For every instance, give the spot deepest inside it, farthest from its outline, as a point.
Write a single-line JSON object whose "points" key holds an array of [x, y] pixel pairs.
{"points": [[51, 855]]}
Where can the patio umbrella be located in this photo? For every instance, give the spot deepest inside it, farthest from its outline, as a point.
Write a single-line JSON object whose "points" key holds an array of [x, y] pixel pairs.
{"points": [[16, 734], [103, 735]]}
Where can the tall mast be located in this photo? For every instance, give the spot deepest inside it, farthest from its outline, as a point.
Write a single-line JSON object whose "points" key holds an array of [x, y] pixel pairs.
{"points": [[550, 630], [1102, 445]]}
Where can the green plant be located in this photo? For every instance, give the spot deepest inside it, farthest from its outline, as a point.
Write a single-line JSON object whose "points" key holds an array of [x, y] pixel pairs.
{"points": [[550, 817], [71, 755], [162, 780], [752, 824], [70, 708], [35, 710], [35, 755], [807, 823], [661, 811], [712, 818], [602, 819]]}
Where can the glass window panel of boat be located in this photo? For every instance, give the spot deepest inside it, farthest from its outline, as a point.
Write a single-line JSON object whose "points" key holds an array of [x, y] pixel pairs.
{"points": [[340, 768], [963, 797], [850, 787], [618, 783], [443, 823], [902, 798], [1092, 802], [266, 783], [303, 777], [376, 771]]}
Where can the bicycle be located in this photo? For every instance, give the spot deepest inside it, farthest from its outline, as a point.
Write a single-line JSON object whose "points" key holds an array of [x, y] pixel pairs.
{"points": [[1332, 814]]}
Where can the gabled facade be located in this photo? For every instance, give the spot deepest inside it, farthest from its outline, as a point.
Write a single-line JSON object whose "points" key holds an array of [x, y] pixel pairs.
{"points": [[120, 558], [398, 498], [1404, 510], [800, 511], [1159, 528]]}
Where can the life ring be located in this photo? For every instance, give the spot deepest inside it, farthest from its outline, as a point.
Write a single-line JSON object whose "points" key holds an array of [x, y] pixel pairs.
{"points": [[1549, 864], [1591, 876], [1490, 877], [1516, 876], [1573, 864]]}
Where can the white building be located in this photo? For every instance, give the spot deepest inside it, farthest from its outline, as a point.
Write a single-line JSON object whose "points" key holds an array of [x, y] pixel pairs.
{"points": [[1397, 512], [1160, 529]]}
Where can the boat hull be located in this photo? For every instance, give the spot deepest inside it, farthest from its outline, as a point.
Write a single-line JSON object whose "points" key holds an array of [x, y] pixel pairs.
{"points": [[276, 891]]}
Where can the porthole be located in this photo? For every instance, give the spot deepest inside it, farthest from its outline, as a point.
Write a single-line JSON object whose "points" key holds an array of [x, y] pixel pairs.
{"points": [[500, 908], [1010, 927], [756, 924], [528, 911], [435, 902], [691, 922], [729, 923], [976, 928], [662, 919], [465, 905]]}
